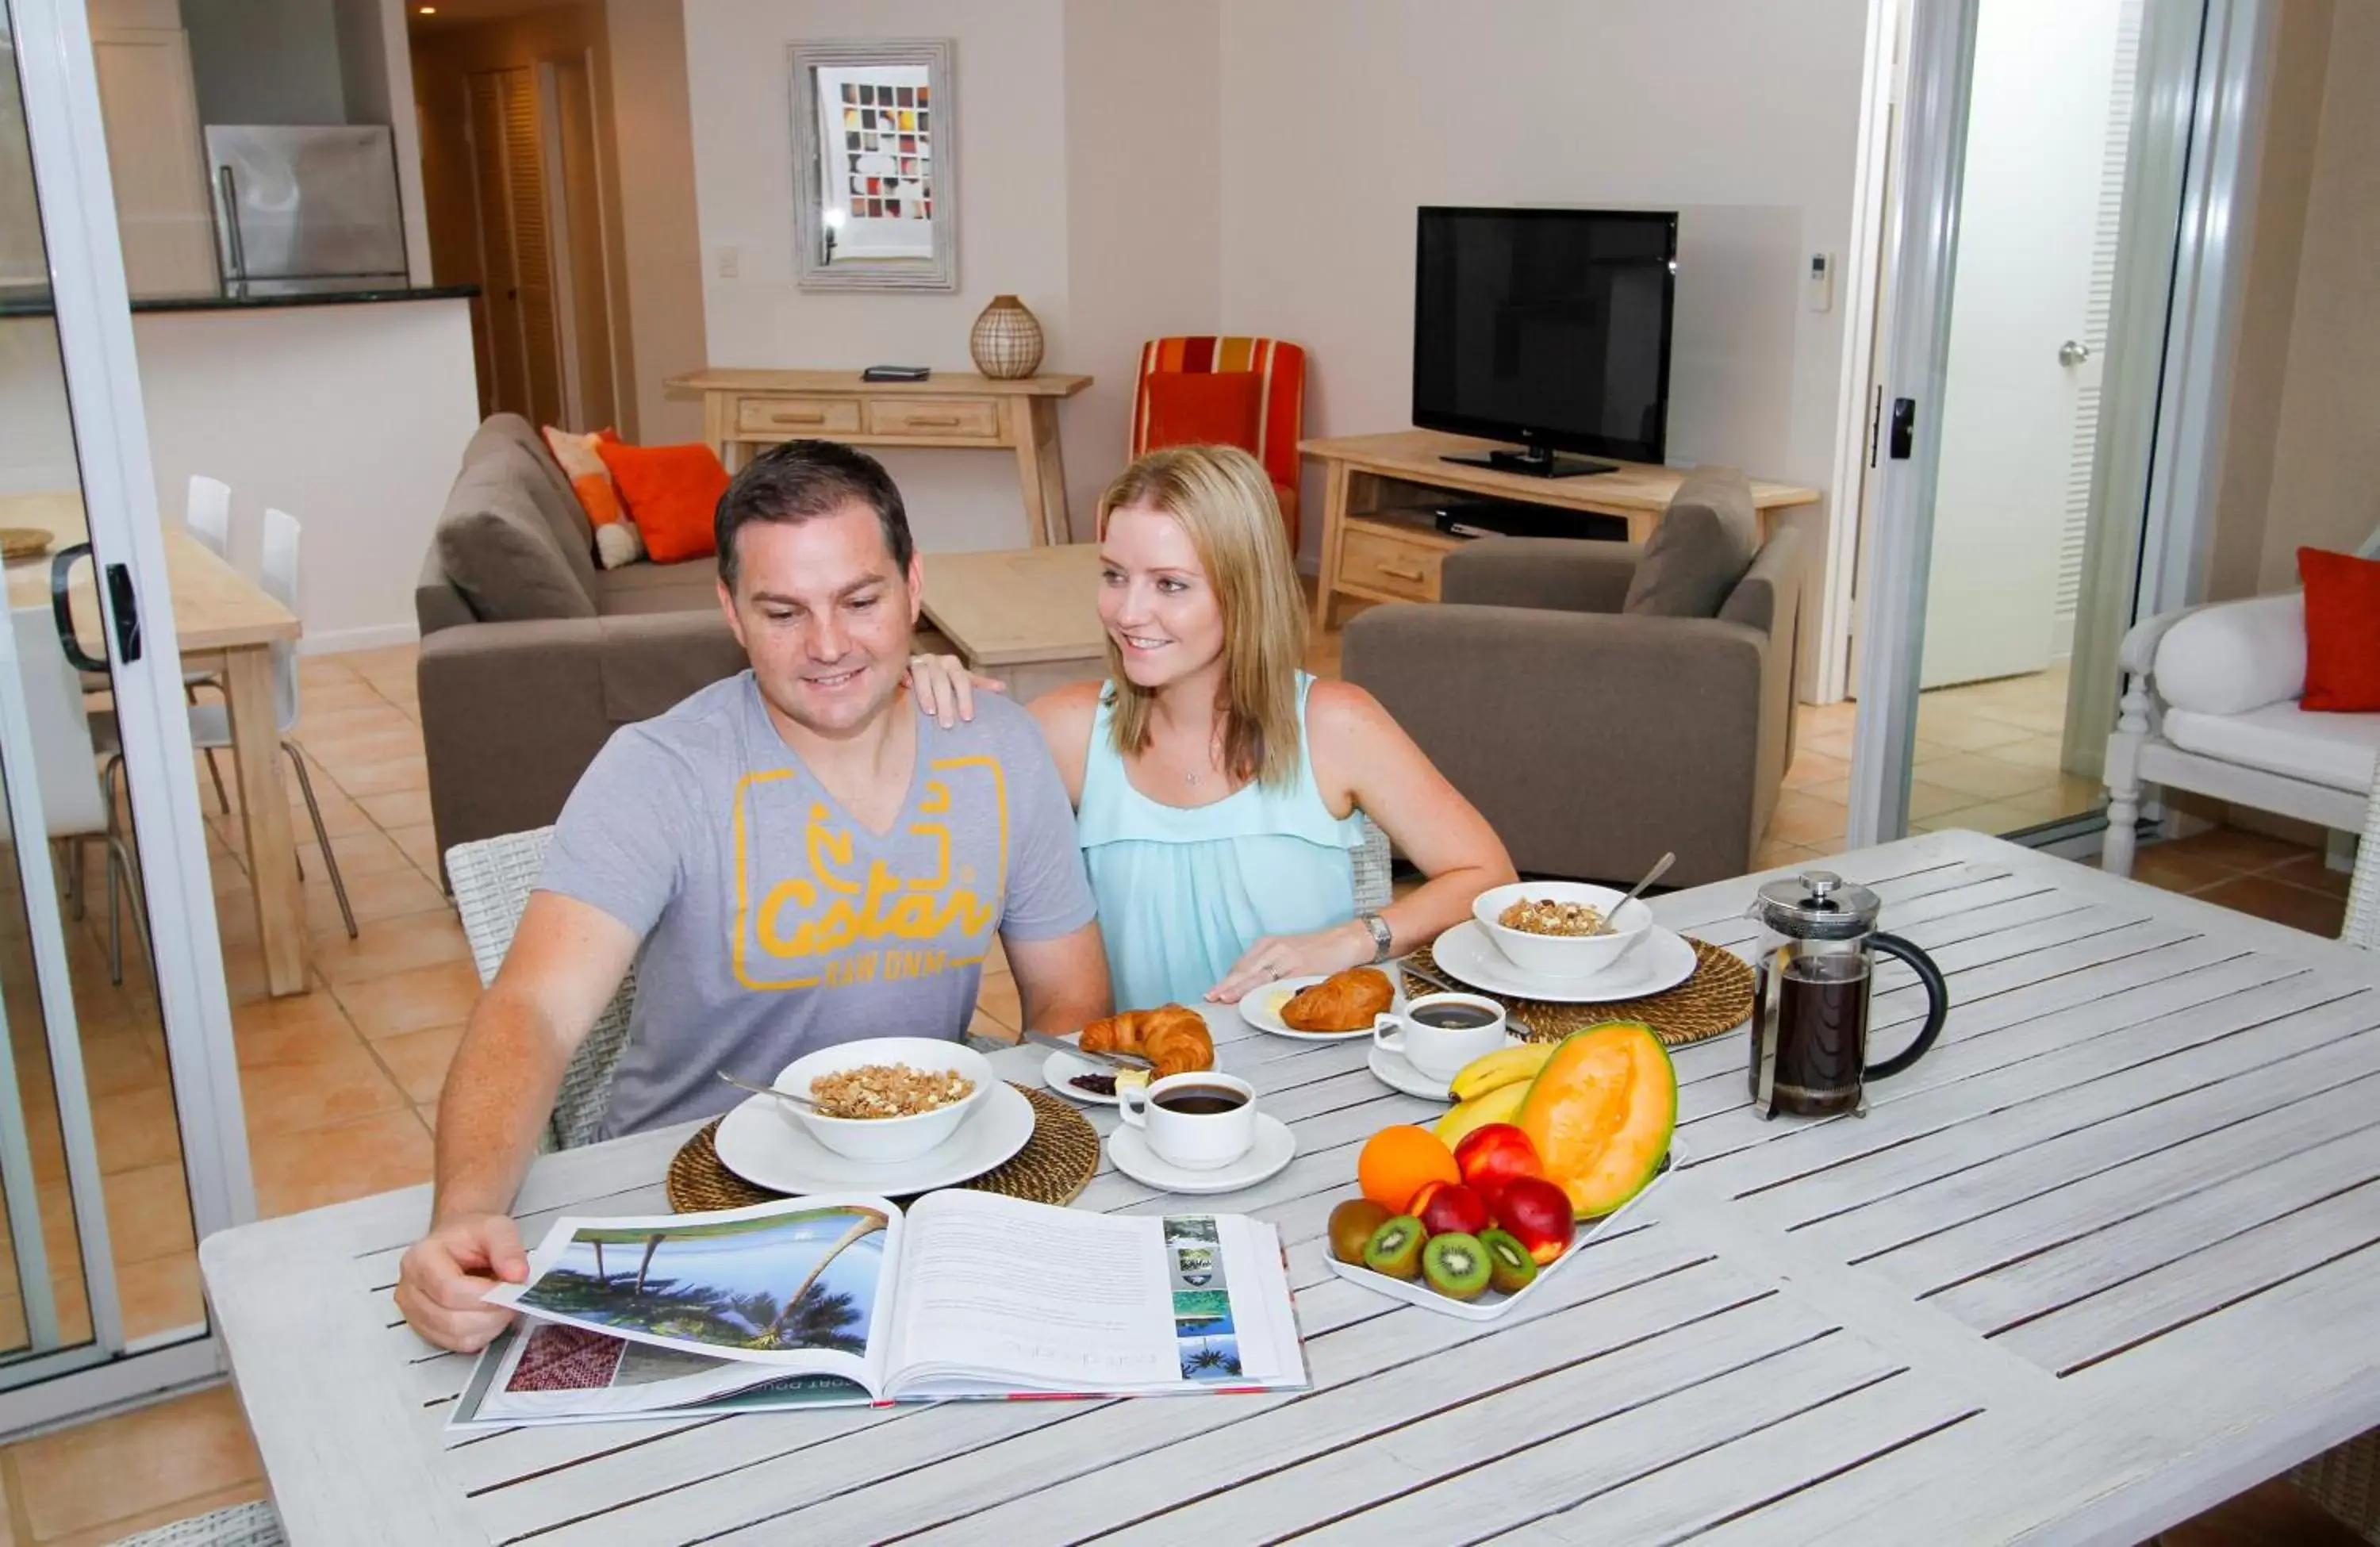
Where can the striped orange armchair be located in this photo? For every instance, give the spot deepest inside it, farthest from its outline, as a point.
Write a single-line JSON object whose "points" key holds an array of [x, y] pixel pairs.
{"points": [[1266, 417]]}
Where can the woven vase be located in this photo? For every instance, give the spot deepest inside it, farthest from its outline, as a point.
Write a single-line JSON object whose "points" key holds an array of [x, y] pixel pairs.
{"points": [[1006, 342]]}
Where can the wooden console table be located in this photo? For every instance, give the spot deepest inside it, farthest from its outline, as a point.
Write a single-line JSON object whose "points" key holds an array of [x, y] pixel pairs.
{"points": [[742, 410], [1375, 547]]}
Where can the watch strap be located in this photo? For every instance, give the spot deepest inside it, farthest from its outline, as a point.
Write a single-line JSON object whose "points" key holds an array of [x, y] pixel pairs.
{"points": [[1383, 939]]}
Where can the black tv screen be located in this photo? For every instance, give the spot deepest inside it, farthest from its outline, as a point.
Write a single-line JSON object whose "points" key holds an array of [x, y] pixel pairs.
{"points": [[1546, 326]]}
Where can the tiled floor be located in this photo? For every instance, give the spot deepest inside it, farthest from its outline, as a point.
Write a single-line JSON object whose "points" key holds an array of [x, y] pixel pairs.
{"points": [[339, 1083], [1987, 759]]}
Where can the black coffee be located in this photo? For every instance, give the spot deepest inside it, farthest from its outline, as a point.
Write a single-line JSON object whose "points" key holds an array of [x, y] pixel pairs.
{"points": [[1822, 1034], [1202, 1101], [1453, 1017]]}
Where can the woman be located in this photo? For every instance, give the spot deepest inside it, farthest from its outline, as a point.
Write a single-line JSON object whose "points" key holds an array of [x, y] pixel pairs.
{"points": [[1216, 783]]}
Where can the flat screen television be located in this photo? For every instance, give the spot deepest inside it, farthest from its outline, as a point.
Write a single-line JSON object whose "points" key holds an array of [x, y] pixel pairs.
{"points": [[1547, 327]]}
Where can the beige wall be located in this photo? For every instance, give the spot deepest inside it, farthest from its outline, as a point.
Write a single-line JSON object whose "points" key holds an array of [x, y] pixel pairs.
{"points": [[655, 241], [1340, 116], [2301, 449], [1144, 186]]}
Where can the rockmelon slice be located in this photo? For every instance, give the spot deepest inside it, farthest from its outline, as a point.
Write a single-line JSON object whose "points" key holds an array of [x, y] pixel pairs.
{"points": [[1601, 1112]]}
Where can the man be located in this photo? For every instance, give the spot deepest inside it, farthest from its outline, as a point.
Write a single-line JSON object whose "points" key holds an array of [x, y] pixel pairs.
{"points": [[793, 858]]}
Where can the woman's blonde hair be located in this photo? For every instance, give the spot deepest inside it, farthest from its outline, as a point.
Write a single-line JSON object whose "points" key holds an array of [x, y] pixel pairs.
{"points": [[1224, 500]]}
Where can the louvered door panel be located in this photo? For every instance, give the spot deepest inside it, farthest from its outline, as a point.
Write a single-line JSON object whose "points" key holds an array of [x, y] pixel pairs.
{"points": [[500, 285], [532, 232]]}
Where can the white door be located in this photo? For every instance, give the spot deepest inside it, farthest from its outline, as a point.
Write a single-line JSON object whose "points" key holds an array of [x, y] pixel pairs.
{"points": [[157, 159], [2017, 399]]}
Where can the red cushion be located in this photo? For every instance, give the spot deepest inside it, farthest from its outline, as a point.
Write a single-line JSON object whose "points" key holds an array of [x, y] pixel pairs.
{"points": [[670, 492], [2342, 614], [1217, 407]]}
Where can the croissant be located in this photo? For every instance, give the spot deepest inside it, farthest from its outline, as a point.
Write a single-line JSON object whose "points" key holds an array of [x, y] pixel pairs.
{"points": [[1171, 1037], [1343, 1002]]}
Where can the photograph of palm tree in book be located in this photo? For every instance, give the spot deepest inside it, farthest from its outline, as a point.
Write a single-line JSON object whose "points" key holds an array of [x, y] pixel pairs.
{"points": [[799, 1281]]}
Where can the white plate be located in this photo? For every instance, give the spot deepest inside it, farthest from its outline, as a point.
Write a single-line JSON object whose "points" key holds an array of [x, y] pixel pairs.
{"points": [[1490, 1305], [1665, 960], [1397, 1072], [1275, 1147], [1262, 1007], [760, 1145], [1059, 1068]]}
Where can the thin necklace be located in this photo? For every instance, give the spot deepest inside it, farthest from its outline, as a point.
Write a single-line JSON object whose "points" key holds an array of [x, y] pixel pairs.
{"points": [[1214, 753]]}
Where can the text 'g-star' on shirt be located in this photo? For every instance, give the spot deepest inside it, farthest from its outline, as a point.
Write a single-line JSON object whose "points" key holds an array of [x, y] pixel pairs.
{"points": [[773, 923]]}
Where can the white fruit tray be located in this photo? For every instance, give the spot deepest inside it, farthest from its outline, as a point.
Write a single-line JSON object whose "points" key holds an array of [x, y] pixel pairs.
{"points": [[1490, 1305]]}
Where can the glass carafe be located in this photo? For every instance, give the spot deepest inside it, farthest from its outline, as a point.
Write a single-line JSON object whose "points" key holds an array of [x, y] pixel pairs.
{"points": [[1809, 999]]}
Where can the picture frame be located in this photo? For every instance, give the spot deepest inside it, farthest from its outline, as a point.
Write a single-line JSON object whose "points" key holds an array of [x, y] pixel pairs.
{"points": [[874, 164]]}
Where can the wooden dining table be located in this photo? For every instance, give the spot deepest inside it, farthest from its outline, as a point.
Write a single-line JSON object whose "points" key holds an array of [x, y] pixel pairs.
{"points": [[226, 624], [2104, 1258]]}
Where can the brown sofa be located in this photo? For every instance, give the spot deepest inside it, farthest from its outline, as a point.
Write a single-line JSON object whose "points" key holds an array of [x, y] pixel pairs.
{"points": [[1594, 739], [531, 656]]}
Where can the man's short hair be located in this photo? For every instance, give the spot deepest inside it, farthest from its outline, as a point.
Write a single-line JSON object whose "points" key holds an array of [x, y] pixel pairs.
{"points": [[801, 480]]}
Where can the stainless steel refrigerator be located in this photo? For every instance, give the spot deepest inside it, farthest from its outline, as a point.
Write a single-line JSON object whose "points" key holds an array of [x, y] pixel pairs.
{"points": [[301, 209]]}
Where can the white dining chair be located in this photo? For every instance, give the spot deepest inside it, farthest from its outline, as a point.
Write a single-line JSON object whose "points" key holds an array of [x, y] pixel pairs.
{"points": [[75, 806], [211, 723]]}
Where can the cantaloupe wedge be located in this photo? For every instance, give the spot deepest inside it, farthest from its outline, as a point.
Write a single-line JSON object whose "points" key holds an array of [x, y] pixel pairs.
{"points": [[1600, 1114]]}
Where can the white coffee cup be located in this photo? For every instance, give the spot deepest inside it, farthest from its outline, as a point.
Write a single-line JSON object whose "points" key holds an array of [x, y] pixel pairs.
{"points": [[1440, 1051], [1192, 1139]]}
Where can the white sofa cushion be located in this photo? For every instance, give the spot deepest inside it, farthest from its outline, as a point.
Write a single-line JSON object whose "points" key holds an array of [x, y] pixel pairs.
{"points": [[2232, 658], [2332, 750]]}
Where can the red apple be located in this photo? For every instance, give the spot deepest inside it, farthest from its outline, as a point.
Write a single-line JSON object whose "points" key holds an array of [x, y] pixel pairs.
{"points": [[1494, 1154], [1454, 1208], [1537, 1213]]}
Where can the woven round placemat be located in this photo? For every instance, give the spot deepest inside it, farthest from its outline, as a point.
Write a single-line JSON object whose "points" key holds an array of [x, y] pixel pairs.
{"points": [[24, 543], [1056, 1164], [1716, 999]]}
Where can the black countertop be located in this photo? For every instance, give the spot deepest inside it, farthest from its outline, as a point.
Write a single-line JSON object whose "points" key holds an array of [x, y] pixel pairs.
{"points": [[30, 300]]}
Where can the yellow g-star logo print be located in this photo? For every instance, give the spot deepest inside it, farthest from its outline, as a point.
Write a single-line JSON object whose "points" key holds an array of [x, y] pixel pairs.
{"points": [[829, 927]]}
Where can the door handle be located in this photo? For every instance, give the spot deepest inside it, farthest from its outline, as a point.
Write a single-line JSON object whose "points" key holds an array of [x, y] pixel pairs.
{"points": [[2074, 352], [62, 607], [125, 604], [1903, 434]]}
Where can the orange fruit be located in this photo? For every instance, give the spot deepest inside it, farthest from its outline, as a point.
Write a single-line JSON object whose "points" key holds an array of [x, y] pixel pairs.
{"points": [[1396, 1162]]}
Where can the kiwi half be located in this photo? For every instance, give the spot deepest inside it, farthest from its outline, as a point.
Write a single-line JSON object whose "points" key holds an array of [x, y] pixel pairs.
{"points": [[1456, 1265], [1511, 1268], [1396, 1248]]}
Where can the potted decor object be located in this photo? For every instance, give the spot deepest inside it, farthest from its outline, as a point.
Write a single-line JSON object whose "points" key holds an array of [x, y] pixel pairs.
{"points": [[1006, 342]]}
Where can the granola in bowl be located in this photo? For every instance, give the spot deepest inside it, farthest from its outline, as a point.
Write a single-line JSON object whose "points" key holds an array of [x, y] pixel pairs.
{"points": [[888, 1090]]}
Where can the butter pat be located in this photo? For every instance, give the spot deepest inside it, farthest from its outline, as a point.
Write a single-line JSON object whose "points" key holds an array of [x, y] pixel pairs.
{"points": [[1130, 1079]]}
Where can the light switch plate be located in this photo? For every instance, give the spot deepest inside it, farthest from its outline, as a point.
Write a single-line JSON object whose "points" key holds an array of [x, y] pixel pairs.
{"points": [[731, 262]]}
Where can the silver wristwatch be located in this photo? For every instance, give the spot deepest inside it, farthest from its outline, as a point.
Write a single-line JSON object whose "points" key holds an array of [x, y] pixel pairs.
{"points": [[1383, 939]]}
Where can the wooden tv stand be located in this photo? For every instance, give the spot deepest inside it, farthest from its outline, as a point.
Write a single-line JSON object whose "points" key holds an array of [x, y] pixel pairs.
{"points": [[1377, 548]]}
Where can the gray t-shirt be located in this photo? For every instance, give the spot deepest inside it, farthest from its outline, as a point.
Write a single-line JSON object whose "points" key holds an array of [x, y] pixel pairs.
{"points": [[772, 922]]}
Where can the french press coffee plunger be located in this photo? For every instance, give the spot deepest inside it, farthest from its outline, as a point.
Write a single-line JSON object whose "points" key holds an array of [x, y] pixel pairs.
{"points": [[1810, 998]]}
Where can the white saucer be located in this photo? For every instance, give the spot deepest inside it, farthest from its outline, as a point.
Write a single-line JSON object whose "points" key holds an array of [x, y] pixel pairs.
{"points": [[1397, 1072], [1275, 1147], [1060, 1069], [1262, 1007], [1663, 961], [760, 1143]]}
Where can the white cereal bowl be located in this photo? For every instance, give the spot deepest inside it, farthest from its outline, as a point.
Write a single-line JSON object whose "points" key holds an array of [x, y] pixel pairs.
{"points": [[887, 1140], [1558, 956]]}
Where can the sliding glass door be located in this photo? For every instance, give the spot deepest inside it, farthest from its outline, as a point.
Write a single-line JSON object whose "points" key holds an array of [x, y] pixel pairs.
{"points": [[2063, 192], [120, 1141]]}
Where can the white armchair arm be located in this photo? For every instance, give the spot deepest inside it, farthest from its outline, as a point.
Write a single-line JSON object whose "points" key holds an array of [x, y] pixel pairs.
{"points": [[2223, 657]]}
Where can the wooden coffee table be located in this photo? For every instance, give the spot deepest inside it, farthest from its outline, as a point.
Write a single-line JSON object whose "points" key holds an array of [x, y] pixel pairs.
{"points": [[1028, 616]]}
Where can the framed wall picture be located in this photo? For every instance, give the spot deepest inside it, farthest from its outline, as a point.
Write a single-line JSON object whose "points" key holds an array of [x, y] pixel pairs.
{"points": [[875, 164]]}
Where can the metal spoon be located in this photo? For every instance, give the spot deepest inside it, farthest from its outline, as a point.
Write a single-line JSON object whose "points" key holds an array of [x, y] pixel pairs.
{"points": [[1660, 868], [785, 1096]]}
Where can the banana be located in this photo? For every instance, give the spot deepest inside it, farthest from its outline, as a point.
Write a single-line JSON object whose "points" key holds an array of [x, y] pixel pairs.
{"points": [[1500, 1105], [1503, 1067]]}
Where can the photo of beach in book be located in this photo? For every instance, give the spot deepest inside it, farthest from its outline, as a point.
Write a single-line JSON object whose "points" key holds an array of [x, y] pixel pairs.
{"points": [[832, 1300]]}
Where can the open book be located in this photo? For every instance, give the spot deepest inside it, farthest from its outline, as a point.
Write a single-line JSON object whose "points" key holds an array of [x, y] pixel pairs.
{"points": [[825, 1300]]}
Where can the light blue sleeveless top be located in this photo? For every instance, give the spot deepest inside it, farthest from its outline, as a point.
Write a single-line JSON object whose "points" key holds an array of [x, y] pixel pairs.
{"points": [[1183, 892]]}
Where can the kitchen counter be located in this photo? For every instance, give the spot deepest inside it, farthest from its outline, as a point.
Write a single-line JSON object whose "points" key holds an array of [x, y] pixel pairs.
{"points": [[33, 300]]}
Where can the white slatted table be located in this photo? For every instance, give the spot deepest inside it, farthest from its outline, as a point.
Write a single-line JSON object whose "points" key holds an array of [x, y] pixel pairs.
{"points": [[2108, 1255]]}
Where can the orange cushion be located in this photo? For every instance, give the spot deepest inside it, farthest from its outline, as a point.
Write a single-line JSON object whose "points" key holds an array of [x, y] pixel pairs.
{"points": [[670, 492], [1216, 407], [2342, 614]]}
